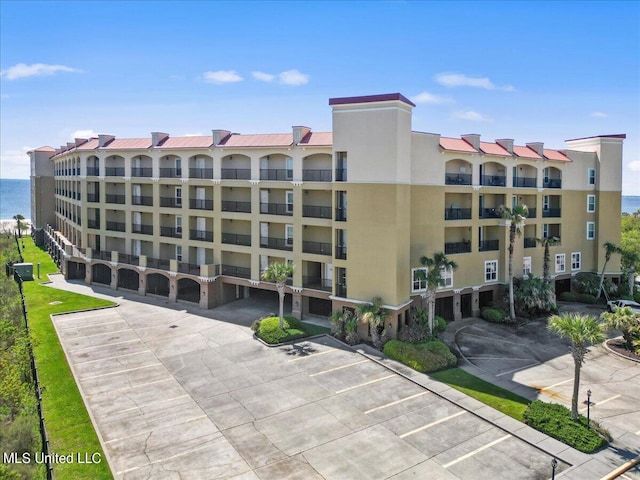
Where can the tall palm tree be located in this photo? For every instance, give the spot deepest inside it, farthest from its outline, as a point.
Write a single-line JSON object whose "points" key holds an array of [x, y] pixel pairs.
{"points": [[20, 225], [625, 320], [629, 260], [374, 315], [433, 277], [609, 250], [514, 218], [340, 319], [581, 331], [278, 273], [547, 242]]}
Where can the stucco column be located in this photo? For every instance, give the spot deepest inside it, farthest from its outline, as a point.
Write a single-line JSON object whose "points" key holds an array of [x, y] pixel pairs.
{"points": [[296, 302], [173, 287], [114, 278], [475, 302], [88, 277], [457, 309], [208, 295], [142, 282]]}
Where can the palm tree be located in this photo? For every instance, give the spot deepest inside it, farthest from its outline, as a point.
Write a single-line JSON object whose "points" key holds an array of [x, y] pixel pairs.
{"points": [[515, 218], [629, 260], [626, 321], [433, 277], [20, 225], [581, 331], [340, 320], [373, 314], [547, 242], [278, 273], [609, 249]]}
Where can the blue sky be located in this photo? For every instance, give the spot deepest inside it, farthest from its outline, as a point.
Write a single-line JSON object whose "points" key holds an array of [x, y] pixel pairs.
{"points": [[532, 71]]}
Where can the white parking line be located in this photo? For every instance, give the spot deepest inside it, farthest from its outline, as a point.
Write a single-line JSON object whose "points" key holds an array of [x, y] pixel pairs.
{"points": [[595, 404], [140, 432], [120, 371], [58, 319], [137, 407], [312, 355], [498, 358], [112, 358], [432, 424], [517, 369], [391, 404], [339, 368], [103, 346], [556, 384], [89, 325], [106, 333], [477, 450], [365, 384], [164, 459]]}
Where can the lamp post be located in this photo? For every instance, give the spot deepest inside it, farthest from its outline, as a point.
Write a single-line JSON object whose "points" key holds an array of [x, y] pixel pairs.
{"points": [[588, 408], [554, 464]]}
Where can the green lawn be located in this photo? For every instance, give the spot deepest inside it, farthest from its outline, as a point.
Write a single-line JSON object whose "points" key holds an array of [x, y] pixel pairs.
{"points": [[485, 392], [68, 424], [269, 330]]}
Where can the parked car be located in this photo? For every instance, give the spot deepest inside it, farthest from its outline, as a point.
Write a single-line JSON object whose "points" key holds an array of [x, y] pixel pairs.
{"points": [[635, 306]]}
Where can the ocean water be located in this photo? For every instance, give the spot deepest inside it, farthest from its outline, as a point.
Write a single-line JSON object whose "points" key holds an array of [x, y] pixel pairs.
{"points": [[15, 198], [630, 204]]}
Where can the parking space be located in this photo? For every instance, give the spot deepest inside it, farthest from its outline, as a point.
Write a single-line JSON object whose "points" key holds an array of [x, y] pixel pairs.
{"points": [[177, 394]]}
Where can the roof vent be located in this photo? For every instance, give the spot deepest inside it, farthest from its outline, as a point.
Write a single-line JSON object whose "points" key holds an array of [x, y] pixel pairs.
{"points": [[537, 147], [103, 140], [472, 139], [506, 143], [299, 133], [157, 138], [219, 135]]}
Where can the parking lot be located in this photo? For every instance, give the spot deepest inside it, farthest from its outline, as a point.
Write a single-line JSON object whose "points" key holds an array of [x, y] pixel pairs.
{"points": [[177, 395]]}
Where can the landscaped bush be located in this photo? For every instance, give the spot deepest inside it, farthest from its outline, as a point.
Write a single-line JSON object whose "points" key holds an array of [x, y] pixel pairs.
{"points": [[493, 315], [568, 297], [589, 282], [533, 296], [636, 297], [414, 334], [555, 421], [586, 298], [424, 357], [439, 324], [269, 330]]}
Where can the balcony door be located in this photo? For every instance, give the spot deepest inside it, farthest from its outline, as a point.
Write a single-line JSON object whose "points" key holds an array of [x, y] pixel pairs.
{"points": [[201, 254]]}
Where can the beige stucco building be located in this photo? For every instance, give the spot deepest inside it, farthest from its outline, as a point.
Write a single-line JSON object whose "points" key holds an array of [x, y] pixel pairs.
{"points": [[197, 219]]}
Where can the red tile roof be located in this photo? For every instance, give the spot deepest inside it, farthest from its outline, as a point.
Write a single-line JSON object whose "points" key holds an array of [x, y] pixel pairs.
{"points": [[203, 141], [318, 139], [456, 144], [128, 143], [525, 152], [556, 155], [258, 140], [494, 149]]}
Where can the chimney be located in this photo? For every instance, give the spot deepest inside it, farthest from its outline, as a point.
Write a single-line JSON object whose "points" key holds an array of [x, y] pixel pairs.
{"points": [[79, 141], [219, 135], [70, 145], [299, 133], [506, 143], [473, 139], [104, 139], [537, 147], [157, 138]]}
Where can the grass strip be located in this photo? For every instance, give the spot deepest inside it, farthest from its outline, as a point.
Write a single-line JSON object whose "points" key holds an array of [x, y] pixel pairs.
{"points": [[68, 424], [502, 400]]}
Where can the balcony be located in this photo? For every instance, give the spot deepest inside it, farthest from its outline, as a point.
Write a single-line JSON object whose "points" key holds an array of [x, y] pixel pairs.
{"points": [[276, 243], [203, 235], [128, 259], [489, 245], [552, 183], [114, 172], [319, 248], [142, 200], [116, 226], [457, 247], [341, 291], [341, 174], [530, 242], [93, 197], [171, 232], [236, 239], [316, 175], [235, 174], [489, 213], [189, 268], [493, 180], [532, 212], [171, 202], [276, 208], [457, 213], [205, 173], [93, 223], [341, 252], [98, 255], [200, 204], [170, 173], [141, 172], [313, 211], [232, 206], [457, 179], [341, 214], [276, 174], [93, 171], [158, 263], [232, 271], [317, 283], [140, 228], [551, 213], [120, 199], [527, 182]]}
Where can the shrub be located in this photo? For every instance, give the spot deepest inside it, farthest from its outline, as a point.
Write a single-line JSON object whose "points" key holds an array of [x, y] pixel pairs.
{"points": [[568, 297], [586, 298], [493, 315], [424, 357], [532, 296], [555, 420], [414, 334], [351, 327], [439, 324], [255, 325], [269, 330], [589, 282], [636, 297]]}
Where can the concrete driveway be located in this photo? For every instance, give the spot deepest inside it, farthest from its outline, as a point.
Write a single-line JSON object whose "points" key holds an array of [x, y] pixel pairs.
{"points": [[178, 395]]}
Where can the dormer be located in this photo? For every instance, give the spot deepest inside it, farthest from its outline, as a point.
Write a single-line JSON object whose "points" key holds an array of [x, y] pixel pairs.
{"points": [[157, 138], [506, 143], [299, 133], [79, 141], [472, 139], [537, 147], [103, 140], [219, 136]]}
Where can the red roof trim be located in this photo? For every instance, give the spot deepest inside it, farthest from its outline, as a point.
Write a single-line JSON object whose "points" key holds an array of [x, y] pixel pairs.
{"points": [[385, 97]]}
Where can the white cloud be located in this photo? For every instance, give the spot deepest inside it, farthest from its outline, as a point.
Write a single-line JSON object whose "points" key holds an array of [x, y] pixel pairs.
{"points": [[222, 76], [263, 77], [22, 70], [452, 80], [197, 134], [15, 163], [634, 166], [471, 116], [293, 77], [599, 114], [426, 97], [83, 134]]}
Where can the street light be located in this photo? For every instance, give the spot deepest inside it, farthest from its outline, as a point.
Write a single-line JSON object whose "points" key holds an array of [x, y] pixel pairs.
{"points": [[588, 408], [554, 464]]}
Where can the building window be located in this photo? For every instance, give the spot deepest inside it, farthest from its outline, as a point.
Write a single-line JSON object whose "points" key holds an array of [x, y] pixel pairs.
{"points": [[591, 203], [289, 201], [545, 230], [591, 176], [560, 262], [289, 235], [591, 230], [526, 266], [576, 260], [418, 280], [179, 253], [447, 277], [491, 271]]}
